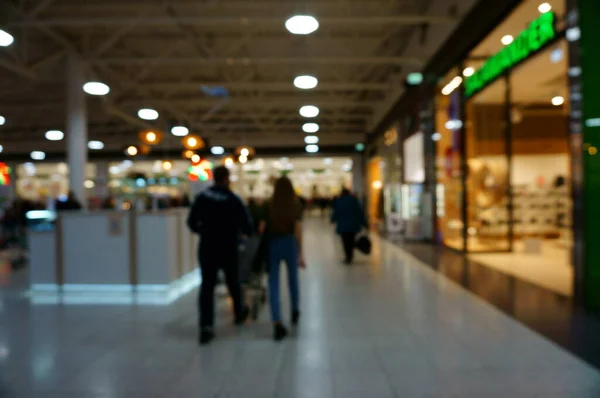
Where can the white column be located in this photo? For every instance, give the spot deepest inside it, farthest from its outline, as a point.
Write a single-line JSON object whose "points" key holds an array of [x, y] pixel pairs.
{"points": [[76, 126]]}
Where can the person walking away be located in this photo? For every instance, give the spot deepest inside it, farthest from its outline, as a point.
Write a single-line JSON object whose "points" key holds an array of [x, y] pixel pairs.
{"points": [[219, 216], [284, 227], [349, 217]]}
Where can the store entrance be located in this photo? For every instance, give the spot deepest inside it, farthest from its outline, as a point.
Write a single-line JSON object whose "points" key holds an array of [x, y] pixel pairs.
{"points": [[519, 173]]}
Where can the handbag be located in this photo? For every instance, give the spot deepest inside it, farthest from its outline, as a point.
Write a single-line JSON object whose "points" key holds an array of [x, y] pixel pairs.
{"points": [[363, 244]]}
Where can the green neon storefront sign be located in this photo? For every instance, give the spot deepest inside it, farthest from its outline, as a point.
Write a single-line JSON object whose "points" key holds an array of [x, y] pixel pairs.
{"points": [[539, 33]]}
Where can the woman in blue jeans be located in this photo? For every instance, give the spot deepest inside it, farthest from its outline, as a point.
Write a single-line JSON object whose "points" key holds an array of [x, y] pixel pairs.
{"points": [[284, 227]]}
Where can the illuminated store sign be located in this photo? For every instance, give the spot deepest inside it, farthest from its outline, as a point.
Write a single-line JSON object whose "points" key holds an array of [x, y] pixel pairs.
{"points": [[539, 33], [5, 172]]}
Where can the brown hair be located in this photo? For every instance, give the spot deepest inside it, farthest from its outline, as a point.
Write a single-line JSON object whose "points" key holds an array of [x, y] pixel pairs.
{"points": [[283, 207]]}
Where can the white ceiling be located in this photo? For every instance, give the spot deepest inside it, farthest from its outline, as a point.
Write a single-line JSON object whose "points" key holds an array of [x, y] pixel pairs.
{"points": [[160, 53]]}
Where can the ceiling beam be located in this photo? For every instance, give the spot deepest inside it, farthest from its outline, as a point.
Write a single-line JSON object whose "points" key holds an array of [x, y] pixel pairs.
{"points": [[276, 103], [230, 61], [240, 21], [265, 86]]}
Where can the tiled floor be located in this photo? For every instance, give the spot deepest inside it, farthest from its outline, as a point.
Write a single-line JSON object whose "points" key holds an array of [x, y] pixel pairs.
{"points": [[387, 327]]}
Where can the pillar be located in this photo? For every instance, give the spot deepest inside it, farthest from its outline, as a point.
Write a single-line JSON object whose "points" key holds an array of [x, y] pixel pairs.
{"points": [[76, 126], [358, 177]]}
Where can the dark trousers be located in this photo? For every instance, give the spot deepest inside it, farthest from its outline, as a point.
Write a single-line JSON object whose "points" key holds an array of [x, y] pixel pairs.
{"points": [[348, 239], [210, 263]]}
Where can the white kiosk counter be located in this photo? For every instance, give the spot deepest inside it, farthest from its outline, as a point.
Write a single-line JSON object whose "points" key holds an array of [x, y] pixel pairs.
{"points": [[114, 257]]}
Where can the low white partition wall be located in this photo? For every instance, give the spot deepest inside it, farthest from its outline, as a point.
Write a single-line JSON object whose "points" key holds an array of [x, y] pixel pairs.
{"points": [[114, 257]]}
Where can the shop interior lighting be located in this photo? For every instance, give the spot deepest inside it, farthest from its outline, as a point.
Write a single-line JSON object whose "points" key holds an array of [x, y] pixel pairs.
{"points": [[243, 159], [558, 100], [454, 124], [469, 71], [6, 39], [359, 147], [228, 162], [2, 120], [151, 137], [544, 8], [195, 158], [311, 139], [573, 34], [96, 88], [131, 151], [89, 184], [506, 40], [436, 136], [377, 184], [556, 55], [95, 145], [54, 135], [38, 155], [414, 79], [217, 150], [310, 128], [302, 24], [180, 131], [453, 85], [595, 122], [575, 71], [309, 111], [312, 148], [188, 154], [167, 166], [328, 161], [306, 82], [148, 114], [1, 148]]}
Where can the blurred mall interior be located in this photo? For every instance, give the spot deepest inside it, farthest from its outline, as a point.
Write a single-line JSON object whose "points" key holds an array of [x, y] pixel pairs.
{"points": [[466, 130]]}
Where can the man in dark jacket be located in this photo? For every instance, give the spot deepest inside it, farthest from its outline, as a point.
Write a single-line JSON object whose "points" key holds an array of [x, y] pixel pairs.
{"points": [[350, 219], [219, 216]]}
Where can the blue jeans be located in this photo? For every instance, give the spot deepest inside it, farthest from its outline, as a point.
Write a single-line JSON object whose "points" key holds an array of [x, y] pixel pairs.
{"points": [[283, 248]]}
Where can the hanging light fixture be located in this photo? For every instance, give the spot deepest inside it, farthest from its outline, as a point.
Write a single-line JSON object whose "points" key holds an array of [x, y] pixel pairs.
{"points": [[2, 120], [148, 114], [311, 139], [306, 82], [180, 131], [188, 153], [96, 88], [54, 135], [217, 150], [193, 142], [95, 145], [151, 137], [302, 24], [310, 128], [309, 111], [245, 151], [6, 39]]}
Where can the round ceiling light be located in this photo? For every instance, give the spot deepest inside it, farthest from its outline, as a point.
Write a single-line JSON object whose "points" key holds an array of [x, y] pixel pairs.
{"points": [[302, 24], [6, 39], [506, 40], [309, 111], [544, 8], [147, 114], [306, 82], [95, 145], [311, 139], [558, 100], [180, 131], [469, 71], [38, 155], [166, 165], [131, 151], [195, 158], [312, 148], [217, 150], [54, 135], [310, 128], [2, 120], [96, 88], [1, 148]]}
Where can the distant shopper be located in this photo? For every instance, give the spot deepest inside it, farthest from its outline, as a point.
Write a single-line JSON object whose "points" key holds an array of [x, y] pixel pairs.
{"points": [[350, 219], [219, 216], [284, 227], [70, 204]]}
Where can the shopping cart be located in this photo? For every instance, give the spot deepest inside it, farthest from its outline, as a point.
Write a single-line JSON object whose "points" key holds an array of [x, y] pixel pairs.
{"points": [[252, 274]]}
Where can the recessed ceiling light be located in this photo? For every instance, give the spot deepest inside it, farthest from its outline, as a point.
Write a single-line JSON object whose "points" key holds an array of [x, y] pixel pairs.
{"points": [[544, 8], [312, 148], [6, 39], [310, 128], [309, 111], [302, 24], [558, 100], [217, 150], [38, 155], [54, 135], [1, 148], [2, 120], [306, 82], [96, 88], [95, 145], [148, 114], [506, 40], [311, 139], [470, 71], [180, 131]]}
